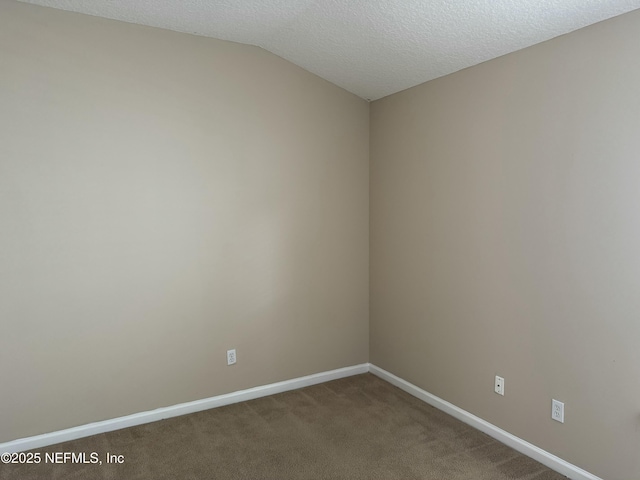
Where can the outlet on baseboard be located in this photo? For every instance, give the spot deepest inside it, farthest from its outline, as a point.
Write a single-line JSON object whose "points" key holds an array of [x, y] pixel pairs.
{"points": [[499, 385], [231, 357], [557, 410]]}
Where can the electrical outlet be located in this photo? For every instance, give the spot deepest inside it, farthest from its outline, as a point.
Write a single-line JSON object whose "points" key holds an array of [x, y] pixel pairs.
{"points": [[499, 386], [231, 357], [557, 411]]}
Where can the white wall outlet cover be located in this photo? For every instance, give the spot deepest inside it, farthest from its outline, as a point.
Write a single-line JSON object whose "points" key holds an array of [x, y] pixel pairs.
{"points": [[231, 357], [499, 385], [557, 410]]}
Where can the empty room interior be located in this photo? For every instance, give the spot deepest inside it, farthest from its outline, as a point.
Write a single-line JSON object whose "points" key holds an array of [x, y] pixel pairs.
{"points": [[301, 239]]}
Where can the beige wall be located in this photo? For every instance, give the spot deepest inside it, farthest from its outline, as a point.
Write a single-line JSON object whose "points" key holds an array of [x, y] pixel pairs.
{"points": [[165, 197], [505, 239]]}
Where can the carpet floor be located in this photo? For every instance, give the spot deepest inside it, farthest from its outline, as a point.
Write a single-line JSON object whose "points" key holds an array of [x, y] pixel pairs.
{"points": [[359, 427]]}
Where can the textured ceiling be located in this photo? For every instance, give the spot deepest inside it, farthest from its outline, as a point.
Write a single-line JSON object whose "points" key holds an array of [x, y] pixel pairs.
{"points": [[372, 48]]}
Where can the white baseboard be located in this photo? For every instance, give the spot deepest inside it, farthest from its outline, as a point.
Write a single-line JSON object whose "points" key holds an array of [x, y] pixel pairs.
{"points": [[39, 441], [555, 463]]}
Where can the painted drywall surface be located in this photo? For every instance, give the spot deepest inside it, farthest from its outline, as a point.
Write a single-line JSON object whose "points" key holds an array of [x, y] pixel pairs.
{"points": [[505, 236], [163, 198]]}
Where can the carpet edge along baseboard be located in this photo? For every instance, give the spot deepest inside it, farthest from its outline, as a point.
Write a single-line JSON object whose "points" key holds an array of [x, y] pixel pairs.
{"points": [[546, 458]]}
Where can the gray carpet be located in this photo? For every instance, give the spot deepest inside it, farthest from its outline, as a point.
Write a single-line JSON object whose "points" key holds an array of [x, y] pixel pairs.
{"points": [[356, 428]]}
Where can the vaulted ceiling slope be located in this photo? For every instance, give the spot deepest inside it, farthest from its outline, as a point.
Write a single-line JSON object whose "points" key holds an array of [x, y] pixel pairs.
{"points": [[372, 48]]}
